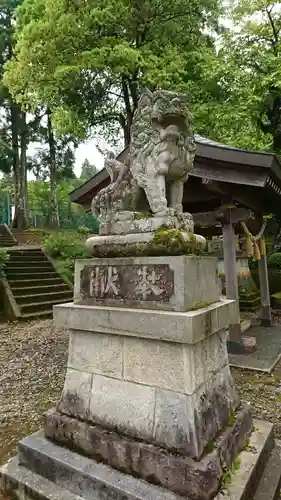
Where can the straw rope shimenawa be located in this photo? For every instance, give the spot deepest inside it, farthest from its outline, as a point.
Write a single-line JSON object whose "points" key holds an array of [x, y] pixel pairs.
{"points": [[255, 245]]}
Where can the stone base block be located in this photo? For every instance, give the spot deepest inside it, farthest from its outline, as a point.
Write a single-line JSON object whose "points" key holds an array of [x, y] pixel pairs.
{"points": [[50, 472], [180, 283], [162, 377], [153, 463]]}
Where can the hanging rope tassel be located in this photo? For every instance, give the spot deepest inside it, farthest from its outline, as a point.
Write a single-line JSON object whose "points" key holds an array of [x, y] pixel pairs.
{"points": [[262, 247], [253, 247], [257, 253], [249, 246]]}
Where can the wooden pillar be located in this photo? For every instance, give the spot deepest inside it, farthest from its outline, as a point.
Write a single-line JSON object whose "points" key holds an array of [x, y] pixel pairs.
{"points": [[266, 316], [235, 345]]}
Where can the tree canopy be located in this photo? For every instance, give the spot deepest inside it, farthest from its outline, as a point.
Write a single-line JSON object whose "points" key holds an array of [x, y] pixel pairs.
{"points": [[247, 72], [88, 60]]}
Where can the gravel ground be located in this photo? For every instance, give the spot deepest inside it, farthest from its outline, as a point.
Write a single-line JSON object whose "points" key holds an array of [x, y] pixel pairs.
{"points": [[32, 368]]}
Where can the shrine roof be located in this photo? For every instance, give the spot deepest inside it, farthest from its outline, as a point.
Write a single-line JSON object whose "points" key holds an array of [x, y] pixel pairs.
{"points": [[214, 163]]}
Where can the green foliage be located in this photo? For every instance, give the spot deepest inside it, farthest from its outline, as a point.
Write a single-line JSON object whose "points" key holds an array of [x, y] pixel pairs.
{"points": [[4, 258], [253, 263], [274, 261], [64, 245], [83, 230], [247, 71], [88, 61], [88, 170], [65, 248]]}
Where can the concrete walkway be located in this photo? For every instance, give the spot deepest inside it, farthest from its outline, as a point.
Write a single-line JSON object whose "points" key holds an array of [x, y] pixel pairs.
{"points": [[268, 351]]}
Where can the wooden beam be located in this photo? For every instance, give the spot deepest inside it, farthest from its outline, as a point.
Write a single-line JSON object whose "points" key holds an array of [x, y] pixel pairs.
{"points": [[266, 316], [235, 345], [221, 216], [223, 172]]}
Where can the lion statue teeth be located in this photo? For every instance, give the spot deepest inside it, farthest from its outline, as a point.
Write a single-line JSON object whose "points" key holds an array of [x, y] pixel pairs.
{"points": [[160, 157]]}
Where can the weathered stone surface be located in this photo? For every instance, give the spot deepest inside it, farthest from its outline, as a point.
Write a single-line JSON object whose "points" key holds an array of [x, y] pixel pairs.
{"points": [[95, 353], [123, 405], [171, 419], [150, 283], [235, 437], [75, 398], [155, 363], [75, 477], [170, 283], [171, 242], [171, 422], [182, 475], [136, 222], [183, 327]]}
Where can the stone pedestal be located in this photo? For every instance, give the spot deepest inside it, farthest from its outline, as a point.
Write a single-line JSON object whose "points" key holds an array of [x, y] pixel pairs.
{"points": [[148, 389]]}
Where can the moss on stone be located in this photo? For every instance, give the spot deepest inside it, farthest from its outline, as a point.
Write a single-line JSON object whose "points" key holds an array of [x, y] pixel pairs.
{"points": [[175, 243], [231, 420], [210, 446], [140, 216], [166, 242], [202, 305]]}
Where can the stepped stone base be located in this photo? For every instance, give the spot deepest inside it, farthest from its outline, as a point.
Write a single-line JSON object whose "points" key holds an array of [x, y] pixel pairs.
{"points": [[50, 472]]}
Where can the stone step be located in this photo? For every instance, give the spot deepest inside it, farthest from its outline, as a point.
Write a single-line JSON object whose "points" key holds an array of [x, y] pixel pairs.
{"points": [[19, 291], [36, 315], [29, 265], [245, 480], [19, 277], [26, 485], [27, 258], [270, 483], [34, 283], [7, 243], [26, 252], [44, 306], [83, 476], [35, 267], [245, 325], [38, 298]]}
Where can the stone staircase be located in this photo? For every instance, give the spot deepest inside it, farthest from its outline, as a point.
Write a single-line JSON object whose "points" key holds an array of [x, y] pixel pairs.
{"points": [[32, 285], [7, 238]]}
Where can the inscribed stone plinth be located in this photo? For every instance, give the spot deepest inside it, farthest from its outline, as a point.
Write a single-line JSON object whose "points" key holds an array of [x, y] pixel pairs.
{"points": [[165, 283]]}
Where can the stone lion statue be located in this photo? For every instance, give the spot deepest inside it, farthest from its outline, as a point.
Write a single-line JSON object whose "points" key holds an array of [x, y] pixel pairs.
{"points": [[160, 157]]}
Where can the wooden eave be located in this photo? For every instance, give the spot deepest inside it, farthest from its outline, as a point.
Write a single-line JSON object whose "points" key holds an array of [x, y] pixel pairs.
{"points": [[237, 173]]}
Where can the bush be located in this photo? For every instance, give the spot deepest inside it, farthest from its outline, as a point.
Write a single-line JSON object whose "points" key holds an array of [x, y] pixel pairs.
{"points": [[274, 261], [83, 230], [88, 220], [64, 245], [4, 257], [65, 248], [253, 263]]}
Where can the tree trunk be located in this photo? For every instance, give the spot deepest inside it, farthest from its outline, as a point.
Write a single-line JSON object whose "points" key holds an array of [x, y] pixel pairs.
{"points": [[55, 221], [23, 164], [127, 122], [19, 220]]}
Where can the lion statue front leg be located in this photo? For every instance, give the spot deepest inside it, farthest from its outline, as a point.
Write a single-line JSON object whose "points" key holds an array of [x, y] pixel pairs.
{"points": [[155, 190]]}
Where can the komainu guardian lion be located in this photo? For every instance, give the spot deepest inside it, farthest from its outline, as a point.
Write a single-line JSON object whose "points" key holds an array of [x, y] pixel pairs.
{"points": [[160, 157]]}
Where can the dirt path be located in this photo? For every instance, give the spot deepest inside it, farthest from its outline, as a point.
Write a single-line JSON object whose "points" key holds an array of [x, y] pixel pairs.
{"points": [[32, 368]]}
